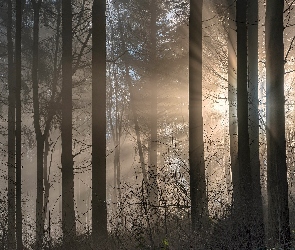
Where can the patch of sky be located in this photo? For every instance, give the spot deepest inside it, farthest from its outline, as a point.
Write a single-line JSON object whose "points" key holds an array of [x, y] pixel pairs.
{"points": [[134, 76]]}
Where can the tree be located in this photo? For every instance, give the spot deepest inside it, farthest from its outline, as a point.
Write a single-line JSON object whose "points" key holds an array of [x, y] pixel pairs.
{"points": [[152, 171], [132, 99], [18, 126], [258, 225], [68, 211], [244, 203], [99, 210], [41, 137], [196, 144], [11, 132], [38, 132], [277, 186], [232, 98]]}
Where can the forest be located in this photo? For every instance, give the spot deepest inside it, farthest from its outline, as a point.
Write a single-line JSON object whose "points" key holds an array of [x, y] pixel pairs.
{"points": [[147, 124]]}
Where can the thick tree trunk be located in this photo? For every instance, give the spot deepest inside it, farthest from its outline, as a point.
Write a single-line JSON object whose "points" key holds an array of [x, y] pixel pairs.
{"points": [[99, 209], [68, 211], [199, 203], [258, 225], [277, 186], [244, 204], [18, 129], [11, 132]]}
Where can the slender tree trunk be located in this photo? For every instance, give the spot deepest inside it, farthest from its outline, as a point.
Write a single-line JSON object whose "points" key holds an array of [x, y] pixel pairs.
{"points": [[152, 171], [68, 211], [119, 117], [39, 137], [117, 143], [46, 174], [99, 209], [232, 99], [40, 190], [258, 225], [277, 186], [18, 129], [245, 204], [11, 132], [113, 133], [116, 132], [199, 204]]}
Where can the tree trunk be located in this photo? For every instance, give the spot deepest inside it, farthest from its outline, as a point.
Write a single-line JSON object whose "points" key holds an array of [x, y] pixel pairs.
{"points": [[39, 137], [40, 190], [199, 203], [11, 132], [18, 129], [46, 173], [68, 211], [277, 186], [99, 209], [153, 149], [244, 205], [258, 225], [232, 99]]}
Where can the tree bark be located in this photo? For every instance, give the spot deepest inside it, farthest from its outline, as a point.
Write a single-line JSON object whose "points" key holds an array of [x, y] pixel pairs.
{"points": [[99, 209], [68, 211], [199, 203], [258, 225], [277, 186]]}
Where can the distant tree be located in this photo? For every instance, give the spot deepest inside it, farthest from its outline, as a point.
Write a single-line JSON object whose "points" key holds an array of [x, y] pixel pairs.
{"points": [[132, 98], [11, 131], [277, 186], [232, 97], [152, 171], [99, 209], [41, 137], [199, 202], [68, 211], [18, 126], [258, 225]]}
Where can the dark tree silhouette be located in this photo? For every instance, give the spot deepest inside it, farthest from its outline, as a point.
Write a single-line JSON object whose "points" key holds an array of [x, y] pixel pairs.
{"points": [[68, 212], [199, 204], [99, 210], [11, 132], [39, 135], [244, 202], [18, 126], [258, 226], [277, 186]]}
